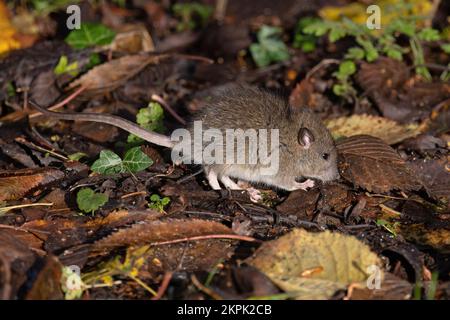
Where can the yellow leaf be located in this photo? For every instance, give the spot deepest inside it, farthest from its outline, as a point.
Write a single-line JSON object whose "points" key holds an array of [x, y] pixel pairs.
{"points": [[337, 261], [387, 130], [8, 41]]}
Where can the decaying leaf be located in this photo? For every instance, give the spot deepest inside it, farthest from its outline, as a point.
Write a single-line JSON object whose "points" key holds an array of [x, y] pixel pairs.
{"points": [[14, 185], [435, 176], [370, 163], [170, 248], [387, 130], [47, 283], [398, 95], [159, 231], [110, 75], [436, 238], [16, 257], [315, 265]]}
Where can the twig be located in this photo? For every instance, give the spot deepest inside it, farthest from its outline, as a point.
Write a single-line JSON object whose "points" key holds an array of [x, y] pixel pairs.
{"points": [[204, 289], [31, 145], [62, 103], [166, 106], [163, 287], [320, 65], [132, 194], [210, 236]]}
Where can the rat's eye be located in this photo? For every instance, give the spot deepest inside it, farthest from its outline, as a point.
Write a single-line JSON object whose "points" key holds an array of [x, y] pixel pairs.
{"points": [[325, 156]]}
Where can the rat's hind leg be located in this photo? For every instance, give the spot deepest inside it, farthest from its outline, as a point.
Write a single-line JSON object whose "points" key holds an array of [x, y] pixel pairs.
{"points": [[211, 175]]}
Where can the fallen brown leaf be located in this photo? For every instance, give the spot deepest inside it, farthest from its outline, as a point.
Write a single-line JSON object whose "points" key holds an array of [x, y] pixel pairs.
{"points": [[370, 163]]}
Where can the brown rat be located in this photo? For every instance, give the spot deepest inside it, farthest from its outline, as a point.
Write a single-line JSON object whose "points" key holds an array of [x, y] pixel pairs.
{"points": [[306, 148]]}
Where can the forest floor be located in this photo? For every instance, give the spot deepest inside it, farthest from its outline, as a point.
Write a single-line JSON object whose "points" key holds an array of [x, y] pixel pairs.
{"points": [[88, 211]]}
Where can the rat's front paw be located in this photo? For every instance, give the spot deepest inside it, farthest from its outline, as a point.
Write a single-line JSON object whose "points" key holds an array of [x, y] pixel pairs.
{"points": [[308, 183]]}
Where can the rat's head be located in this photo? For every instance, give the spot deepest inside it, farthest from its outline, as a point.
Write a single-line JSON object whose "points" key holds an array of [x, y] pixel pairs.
{"points": [[307, 149]]}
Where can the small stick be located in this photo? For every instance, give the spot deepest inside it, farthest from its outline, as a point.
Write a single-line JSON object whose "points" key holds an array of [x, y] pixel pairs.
{"points": [[166, 106], [62, 103], [31, 145], [210, 236], [165, 283], [204, 289]]}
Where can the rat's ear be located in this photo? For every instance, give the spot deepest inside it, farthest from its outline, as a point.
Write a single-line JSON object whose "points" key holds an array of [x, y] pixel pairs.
{"points": [[305, 137]]}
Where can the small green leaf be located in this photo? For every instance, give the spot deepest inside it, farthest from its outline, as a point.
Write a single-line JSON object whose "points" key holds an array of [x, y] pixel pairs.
{"points": [[336, 34], [390, 227], [77, 156], [303, 41], [10, 89], [108, 163], [446, 47], [63, 66], [347, 68], [135, 160], [318, 28], [150, 118], [94, 59], [403, 26], [394, 54], [339, 90], [154, 197], [355, 53], [429, 34], [90, 34], [88, 201], [158, 203]]}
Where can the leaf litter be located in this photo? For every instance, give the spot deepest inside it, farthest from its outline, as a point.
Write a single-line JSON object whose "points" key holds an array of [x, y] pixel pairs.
{"points": [[92, 196]]}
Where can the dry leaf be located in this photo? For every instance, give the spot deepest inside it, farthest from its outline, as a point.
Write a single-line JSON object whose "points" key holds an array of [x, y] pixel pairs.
{"points": [[369, 163], [110, 75], [159, 231], [168, 248], [315, 265], [387, 130], [422, 234], [16, 184]]}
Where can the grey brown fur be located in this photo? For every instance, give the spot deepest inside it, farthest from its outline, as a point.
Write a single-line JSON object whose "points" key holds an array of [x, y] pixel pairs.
{"points": [[251, 108]]}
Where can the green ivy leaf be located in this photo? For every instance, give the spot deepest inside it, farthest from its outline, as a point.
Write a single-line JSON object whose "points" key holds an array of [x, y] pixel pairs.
{"points": [[259, 55], [270, 48], [88, 201], [135, 160], [90, 34], [150, 118], [429, 34], [108, 163]]}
